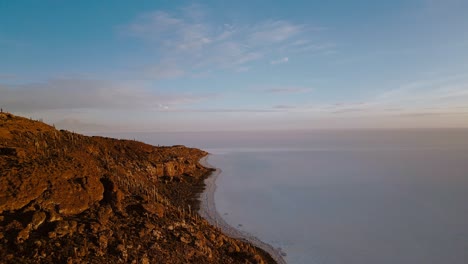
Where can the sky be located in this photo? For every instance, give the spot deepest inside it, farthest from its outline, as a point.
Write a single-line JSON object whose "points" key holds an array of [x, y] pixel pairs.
{"points": [[174, 65]]}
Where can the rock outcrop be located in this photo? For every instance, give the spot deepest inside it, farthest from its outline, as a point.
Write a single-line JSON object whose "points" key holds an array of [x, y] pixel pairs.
{"points": [[69, 198]]}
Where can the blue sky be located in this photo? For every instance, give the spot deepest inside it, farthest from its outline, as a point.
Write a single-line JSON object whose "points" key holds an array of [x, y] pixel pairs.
{"points": [[235, 65]]}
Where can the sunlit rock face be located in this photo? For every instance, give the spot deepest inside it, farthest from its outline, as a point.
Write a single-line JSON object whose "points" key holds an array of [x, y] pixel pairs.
{"points": [[66, 197]]}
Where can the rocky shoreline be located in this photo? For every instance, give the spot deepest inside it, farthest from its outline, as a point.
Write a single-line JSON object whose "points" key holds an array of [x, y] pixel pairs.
{"points": [[210, 213], [69, 198]]}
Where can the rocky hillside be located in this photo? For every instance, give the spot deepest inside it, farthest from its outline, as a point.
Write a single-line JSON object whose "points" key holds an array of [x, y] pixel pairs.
{"points": [[69, 198]]}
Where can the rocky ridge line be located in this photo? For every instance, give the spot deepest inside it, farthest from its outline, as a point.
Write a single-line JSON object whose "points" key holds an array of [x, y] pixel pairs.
{"points": [[69, 198]]}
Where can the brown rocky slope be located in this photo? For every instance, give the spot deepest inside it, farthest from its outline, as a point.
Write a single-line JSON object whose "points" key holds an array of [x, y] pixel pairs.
{"points": [[69, 198]]}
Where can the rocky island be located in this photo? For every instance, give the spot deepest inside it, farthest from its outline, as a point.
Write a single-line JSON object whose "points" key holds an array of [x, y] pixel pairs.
{"points": [[70, 198]]}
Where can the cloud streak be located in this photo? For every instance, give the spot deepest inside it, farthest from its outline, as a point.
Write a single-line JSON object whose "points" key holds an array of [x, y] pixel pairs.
{"points": [[60, 94], [193, 43], [279, 61], [7, 76], [437, 98], [286, 90]]}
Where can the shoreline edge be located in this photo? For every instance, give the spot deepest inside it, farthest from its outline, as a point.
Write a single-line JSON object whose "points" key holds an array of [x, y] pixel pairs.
{"points": [[209, 212]]}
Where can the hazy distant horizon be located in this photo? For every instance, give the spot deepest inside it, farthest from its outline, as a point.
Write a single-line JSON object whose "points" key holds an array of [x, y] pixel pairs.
{"points": [[95, 128], [299, 139], [285, 130]]}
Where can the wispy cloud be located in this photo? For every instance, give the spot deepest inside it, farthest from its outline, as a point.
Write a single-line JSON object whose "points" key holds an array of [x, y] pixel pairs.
{"points": [[271, 32], [192, 42], [242, 69], [284, 107], [6, 76], [167, 70], [451, 91], [279, 61], [446, 96], [59, 94], [286, 90]]}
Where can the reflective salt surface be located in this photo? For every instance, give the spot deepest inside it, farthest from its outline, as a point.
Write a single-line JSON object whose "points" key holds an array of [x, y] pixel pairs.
{"points": [[347, 197], [351, 203]]}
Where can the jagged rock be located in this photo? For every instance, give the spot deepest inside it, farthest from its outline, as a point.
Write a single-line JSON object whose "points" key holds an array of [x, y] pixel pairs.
{"points": [[64, 228], [104, 214], [154, 208], [52, 235], [150, 226], [143, 232], [234, 248], [199, 243], [80, 229], [103, 240], [145, 260], [38, 219], [123, 251], [258, 259], [186, 239], [72, 198], [157, 234], [24, 187], [24, 234], [54, 216], [95, 227]]}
